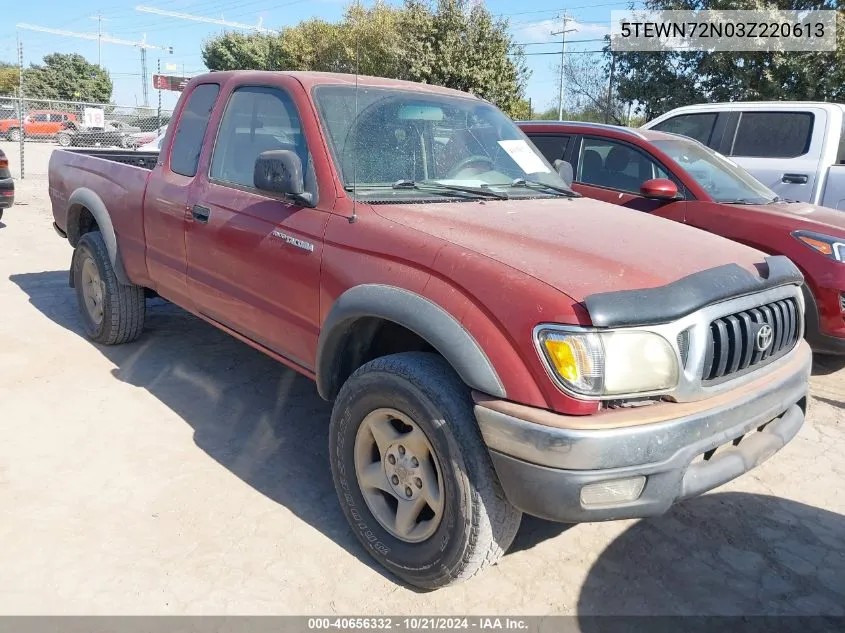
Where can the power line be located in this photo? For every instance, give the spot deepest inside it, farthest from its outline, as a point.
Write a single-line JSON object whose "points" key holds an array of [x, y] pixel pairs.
{"points": [[567, 53], [597, 39], [99, 37], [585, 6], [199, 18]]}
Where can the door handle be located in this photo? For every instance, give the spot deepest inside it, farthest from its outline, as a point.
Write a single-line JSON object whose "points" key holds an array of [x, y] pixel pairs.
{"points": [[200, 214], [795, 179]]}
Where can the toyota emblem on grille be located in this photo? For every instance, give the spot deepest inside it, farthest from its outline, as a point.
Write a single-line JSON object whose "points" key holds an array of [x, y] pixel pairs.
{"points": [[764, 337]]}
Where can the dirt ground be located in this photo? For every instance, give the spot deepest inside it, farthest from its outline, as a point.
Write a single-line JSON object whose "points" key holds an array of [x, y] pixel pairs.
{"points": [[187, 473]]}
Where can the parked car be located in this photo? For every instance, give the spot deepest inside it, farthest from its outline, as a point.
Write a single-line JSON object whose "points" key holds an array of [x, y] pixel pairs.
{"points": [[38, 124], [679, 178], [137, 139], [155, 146], [7, 184], [114, 134], [494, 343], [795, 148]]}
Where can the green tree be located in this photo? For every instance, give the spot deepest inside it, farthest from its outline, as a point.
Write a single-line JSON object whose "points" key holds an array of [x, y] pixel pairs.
{"points": [[660, 81], [67, 77], [454, 43], [8, 78]]}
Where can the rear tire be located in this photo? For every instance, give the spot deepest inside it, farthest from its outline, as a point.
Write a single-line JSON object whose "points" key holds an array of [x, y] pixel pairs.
{"points": [[112, 312], [422, 394], [14, 134], [64, 139]]}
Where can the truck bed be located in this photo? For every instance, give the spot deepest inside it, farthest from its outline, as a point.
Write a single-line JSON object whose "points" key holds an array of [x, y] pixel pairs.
{"points": [[145, 160]]}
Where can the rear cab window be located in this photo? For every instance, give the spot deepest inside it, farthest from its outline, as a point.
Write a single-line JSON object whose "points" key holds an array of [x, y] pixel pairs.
{"points": [[840, 154], [190, 131], [773, 134], [697, 126]]}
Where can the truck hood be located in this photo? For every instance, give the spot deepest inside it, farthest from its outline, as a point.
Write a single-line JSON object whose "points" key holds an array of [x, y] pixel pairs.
{"points": [[801, 215], [578, 246]]}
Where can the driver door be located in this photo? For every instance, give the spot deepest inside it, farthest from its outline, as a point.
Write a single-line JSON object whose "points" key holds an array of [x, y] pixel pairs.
{"points": [[613, 171], [253, 258]]}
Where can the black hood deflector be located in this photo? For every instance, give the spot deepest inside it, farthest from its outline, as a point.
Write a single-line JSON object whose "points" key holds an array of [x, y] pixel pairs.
{"points": [[652, 306]]}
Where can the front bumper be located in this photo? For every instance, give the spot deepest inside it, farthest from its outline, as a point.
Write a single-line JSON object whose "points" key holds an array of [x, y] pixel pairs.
{"points": [[543, 460]]}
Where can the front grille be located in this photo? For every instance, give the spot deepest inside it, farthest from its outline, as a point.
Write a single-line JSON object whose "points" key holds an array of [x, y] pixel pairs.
{"points": [[732, 344]]}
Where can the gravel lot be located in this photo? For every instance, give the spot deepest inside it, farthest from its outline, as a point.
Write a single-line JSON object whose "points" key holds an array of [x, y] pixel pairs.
{"points": [[187, 473]]}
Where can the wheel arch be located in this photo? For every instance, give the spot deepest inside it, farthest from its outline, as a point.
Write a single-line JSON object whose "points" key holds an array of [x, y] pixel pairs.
{"points": [[82, 204], [355, 309]]}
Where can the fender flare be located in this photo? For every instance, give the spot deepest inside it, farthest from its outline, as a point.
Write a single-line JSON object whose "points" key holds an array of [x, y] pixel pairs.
{"points": [[414, 312], [86, 198]]}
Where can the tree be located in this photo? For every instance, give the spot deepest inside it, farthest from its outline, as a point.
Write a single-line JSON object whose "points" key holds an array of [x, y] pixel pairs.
{"points": [[69, 78], [8, 78], [660, 81], [454, 43]]}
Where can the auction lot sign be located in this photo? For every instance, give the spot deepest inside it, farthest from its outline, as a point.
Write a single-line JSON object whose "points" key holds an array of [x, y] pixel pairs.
{"points": [[764, 30]]}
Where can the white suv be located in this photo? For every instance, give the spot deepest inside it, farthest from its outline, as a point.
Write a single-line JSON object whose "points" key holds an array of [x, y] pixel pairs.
{"points": [[796, 148]]}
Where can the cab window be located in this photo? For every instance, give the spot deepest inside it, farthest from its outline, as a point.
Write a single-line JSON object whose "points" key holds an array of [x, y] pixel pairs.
{"points": [[696, 126], [258, 119], [190, 131]]}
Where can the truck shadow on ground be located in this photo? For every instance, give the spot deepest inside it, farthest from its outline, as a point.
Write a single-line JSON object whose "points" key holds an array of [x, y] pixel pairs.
{"points": [[263, 422], [723, 553], [825, 364]]}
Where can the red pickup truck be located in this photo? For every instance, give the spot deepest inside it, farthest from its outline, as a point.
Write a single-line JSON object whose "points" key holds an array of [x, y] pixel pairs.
{"points": [[493, 342]]}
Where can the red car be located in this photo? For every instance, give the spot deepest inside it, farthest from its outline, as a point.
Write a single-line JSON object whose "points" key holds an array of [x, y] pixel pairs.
{"points": [[681, 179], [37, 124]]}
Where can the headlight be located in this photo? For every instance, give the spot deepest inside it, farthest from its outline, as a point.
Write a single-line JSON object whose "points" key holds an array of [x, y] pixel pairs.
{"points": [[832, 247], [608, 363]]}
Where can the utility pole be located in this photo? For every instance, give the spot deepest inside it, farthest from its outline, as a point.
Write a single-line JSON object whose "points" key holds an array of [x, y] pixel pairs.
{"points": [[562, 34], [144, 73], [20, 103], [610, 87], [158, 114], [99, 17]]}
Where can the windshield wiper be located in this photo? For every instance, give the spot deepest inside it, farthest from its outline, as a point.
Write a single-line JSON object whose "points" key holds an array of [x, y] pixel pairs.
{"points": [[439, 186], [534, 184], [742, 201]]}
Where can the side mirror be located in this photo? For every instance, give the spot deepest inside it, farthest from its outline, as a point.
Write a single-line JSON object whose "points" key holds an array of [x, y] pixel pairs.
{"points": [[659, 189], [280, 171], [564, 170]]}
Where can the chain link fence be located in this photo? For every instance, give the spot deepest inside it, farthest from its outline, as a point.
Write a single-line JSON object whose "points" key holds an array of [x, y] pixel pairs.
{"points": [[34, 125]]}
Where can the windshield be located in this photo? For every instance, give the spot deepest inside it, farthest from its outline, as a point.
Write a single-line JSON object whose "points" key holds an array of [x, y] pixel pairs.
{"points": [[393, 143], [723, 180]]}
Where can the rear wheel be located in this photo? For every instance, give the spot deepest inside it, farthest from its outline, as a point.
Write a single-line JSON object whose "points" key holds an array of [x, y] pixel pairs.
{"points": [[112, 312], [64, 139], [413, 474], [14, 134]]}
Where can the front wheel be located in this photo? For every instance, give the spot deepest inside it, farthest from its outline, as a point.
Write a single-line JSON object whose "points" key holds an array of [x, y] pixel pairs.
{"points": [[413, 474], [14, 134], [112, 312], [64, 139]]}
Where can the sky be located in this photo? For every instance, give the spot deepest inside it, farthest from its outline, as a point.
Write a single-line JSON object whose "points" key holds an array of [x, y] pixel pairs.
{"points": [[531, 24]]}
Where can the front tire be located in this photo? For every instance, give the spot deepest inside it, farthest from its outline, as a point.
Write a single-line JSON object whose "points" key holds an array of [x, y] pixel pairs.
{"points": [[112, 312], [14, 135], [413, 474], [64, 139]]}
